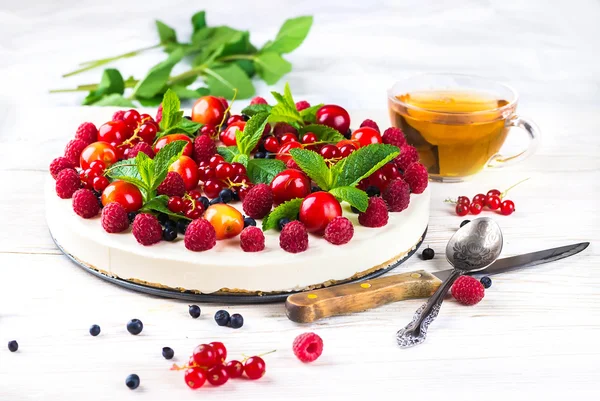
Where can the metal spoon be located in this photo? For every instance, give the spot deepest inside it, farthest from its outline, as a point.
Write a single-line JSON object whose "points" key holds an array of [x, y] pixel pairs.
{"points": [[473, 247]]}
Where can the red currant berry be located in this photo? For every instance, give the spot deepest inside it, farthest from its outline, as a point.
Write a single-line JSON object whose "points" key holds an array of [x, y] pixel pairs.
{"points": [[208, 110], [209, 130], [475, 208], [147, 132], [205, 173], [221, 351], [238, 169], [194, 194], [212, 188], [204, 355], [114, 132], [235, 369], [131, 117], [242, 191], [346, 150], [289, 137], [98, 165], [462, 209], [289, 184], [255, 368], [175, 204], [507, 207], [193, 213], [317, 210], [217, 375], [479, 198], [391, 171], [195, 377], [144, 117], [234, 118], [366, 136], [223, 171], [492, 201], [214, 160], [463, 200], [100, 183], [284, 151], [271, 144], [494, 192], [330, 152], [379, 179], [91, 174], [335, 117], [309, 137]]}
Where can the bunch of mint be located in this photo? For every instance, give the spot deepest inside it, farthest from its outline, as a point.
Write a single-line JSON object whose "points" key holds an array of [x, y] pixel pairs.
{"points": [[223, 58]]}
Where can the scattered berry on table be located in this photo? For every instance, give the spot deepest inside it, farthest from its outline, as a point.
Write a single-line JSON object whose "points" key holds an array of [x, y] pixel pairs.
{"points": [[417, 178], [282, 222], [475, 208], [204, 148], [85, 203], [308, 347], [507, 207], [254, 367], [302, 104], [236, 321], [87, 132], [258, 100], [172, 185], [394, 136], [59, 164], [258, 201], [114, 218], [339, 231], [168, 353], [486, 282], [464, 222], [376, 214], [94, 330], [370, 123], [146, 229], [135, 326], [408, 155], [132, 381], [397, 195], [249, 221], [217, 375], [462, 209], [73, 150], [194, 311], [294, 237], [467, 290], [195, 377], [13, 346], [222, 317], [479, 198], [494, 192], [200, 235], [235, 369], [221, 351], [252, 239], [492, 202], [428, 253], [204, 355], [141, 147], [67, 183]]}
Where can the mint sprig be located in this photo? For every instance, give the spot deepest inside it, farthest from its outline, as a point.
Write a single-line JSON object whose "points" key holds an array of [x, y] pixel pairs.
{"points": [[313, 164], [228, 152], [309, 115], [289, 209], [264, 170], [159, 204], [285, 109], [256, 108], [248, 139], [171, 113], [354, 196]]}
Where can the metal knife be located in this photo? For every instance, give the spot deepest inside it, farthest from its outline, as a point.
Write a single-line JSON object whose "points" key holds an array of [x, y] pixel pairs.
{"points": [[309, 306]]}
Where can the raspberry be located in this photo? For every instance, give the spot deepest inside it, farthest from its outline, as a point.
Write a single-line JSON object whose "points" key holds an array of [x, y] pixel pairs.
{"points": [[73, 150], [141, 147], [376, 214], [302, 104], [85, 203], [200, 235], [258, 100], [67, 182], [172, 185], [158, 114], [308, 347], [204, 148], [252, 239], [370, 123], [291, 164], [408, 155], [293, 237], [87, 132], [282, 128], [146, 229], [397, 195], [258, 201], [339, 231], [118, 116], [114, 218], [59, 164], [467, 290], [416, 176], [394, 136]]}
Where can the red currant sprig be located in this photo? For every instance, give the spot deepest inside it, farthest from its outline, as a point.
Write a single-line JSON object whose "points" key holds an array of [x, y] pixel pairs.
{"points": [[493, 200]]}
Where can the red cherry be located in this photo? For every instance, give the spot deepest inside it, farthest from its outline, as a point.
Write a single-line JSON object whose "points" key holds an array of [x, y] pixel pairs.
{"points": [[289, 137], [208, 110], [205, 173], [271, 144], [463, 200], [494, 192], [462, 209], [193, 214], [317, 210], [131, 117], [330, 152], [147, 132], [114, 131], [475, 208], [492, 201], [479, 198], [163, 141], [91, 174], [238, 169], [128, 195], [224, 171], [289, 184], [507, 207], [366, 136], [204, 355], [221, 351], [102, 151], [187, 168], [99, 183], [379, 179], [217, 375], [391, 171], [195, 377], [335, 117], [228, 134], [215, 160], [175, 204], [235, 369], [209, 130], [212, 188], [309, 137], [234, 118], [255, 368], [284, 151], [346, 150]]}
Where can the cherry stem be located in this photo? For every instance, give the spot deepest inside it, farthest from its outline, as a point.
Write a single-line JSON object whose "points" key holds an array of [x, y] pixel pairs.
{"points": [[503, 194], [261, 355], [218, 129], [89, 65], [450, 200]]}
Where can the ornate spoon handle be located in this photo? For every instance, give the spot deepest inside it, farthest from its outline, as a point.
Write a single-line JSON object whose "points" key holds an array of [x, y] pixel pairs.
{"points": [[416, 331]]}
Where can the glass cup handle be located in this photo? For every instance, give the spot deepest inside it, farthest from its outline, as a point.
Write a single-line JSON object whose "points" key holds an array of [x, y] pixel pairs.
{"points": [[528, 126]]}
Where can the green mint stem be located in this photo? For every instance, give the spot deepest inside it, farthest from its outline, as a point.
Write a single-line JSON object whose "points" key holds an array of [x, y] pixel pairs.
{"points": [[89, 65], [238, 57], [129, 83]]}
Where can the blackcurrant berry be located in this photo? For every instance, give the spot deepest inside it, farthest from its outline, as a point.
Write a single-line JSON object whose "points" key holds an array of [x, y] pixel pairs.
{"points": [[282, 222], [205, 202], [226, 195], [249, 221], [168, 353], [169, 234], [135, 326], [236, 321], [260, 155], [222, 317], [194, 311], [428, 253], [13, 346], [162, 218], [182, 226], [131, 216], [95, 330], [465, 222], [170, 224], [215, 201], [486, 282], [132, 381], [373, 191], [315, 188]]}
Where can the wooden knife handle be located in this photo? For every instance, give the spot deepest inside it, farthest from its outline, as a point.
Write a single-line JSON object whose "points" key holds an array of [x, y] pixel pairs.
{"points": [[306, 307]]}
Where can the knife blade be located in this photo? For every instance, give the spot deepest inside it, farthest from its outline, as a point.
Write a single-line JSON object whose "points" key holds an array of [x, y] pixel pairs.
{"points": [[309, 306]]}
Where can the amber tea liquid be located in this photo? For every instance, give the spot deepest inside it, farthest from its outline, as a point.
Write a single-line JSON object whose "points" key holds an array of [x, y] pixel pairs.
{"points": [[456, 132]]}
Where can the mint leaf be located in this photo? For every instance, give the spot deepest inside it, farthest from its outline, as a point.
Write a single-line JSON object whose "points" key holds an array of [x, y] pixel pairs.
{"points": [[184, 126], [114, 99], [228, 152], [171, 114], [287, 209], [163, 159], [354, 196], [313, 164], [159, 204], [309, 114], [241, 158], [145, 166], [152, 102], [127, 170], [362, 163], [165, 33], [246, 140], [224, 80], [158, 76], [199, 20], [111, 82], [264, 170], [291, 35], [287, 97], [271, 67], [256, 108], [285, 109], [187, 93], [323, 133]]}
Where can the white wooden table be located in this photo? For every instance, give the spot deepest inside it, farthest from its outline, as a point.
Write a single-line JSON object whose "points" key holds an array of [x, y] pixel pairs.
{"points": [[534, 335]]}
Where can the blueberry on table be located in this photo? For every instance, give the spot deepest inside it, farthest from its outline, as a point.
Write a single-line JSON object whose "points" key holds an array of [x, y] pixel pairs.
{"points": [[486, 282], [168, 353], [95, 330], [428, 254], [222, 317], [135, 326], [194, 311], [132, 381], [13, 346], [236, 321]]}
